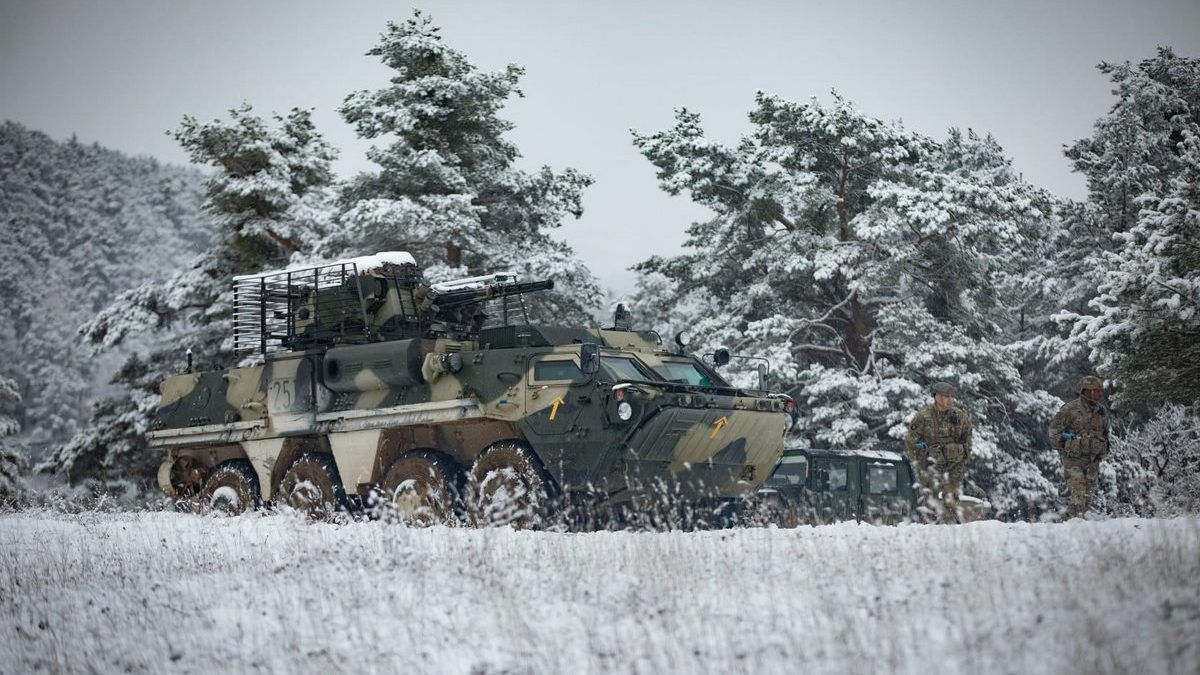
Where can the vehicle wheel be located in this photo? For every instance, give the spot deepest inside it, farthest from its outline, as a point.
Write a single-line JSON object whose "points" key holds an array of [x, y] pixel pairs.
{"points": [[508, 486], [187, 477], [312, 486], [230, 488], [420, 489]]}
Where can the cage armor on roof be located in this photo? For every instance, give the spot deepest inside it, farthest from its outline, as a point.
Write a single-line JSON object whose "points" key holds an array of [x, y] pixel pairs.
{"points": [[363, 299]]}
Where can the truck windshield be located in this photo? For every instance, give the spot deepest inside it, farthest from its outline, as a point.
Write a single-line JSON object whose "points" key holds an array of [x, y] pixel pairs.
{"points": [[792, 470], [624, 368], [687, 372]]}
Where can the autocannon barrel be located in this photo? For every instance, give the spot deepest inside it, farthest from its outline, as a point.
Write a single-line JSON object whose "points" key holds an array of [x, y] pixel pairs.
{"points": [[466, 296]]}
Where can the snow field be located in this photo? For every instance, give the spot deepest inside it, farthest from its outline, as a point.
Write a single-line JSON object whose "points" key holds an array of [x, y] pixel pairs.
{"points": [[164, 592]]}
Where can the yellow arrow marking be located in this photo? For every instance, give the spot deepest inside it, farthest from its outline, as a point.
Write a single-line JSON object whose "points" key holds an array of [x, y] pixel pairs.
{"points": [[554, 411], [717, 426]]}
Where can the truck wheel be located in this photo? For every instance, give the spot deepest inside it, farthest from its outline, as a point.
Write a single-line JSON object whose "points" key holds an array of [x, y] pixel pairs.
{"points": [[230, 488], [420, 489], [312, 486], [508, 486], [187, 477]]}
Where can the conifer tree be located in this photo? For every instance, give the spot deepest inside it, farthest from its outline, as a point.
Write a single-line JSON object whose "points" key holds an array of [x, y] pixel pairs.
{"points": [[447, 188], [79, 224], [269, 200], [12, 461], [865, 261], [1141, 325]]}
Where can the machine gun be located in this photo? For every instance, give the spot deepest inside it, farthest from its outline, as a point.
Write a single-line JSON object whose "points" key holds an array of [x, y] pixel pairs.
{"points": [[456, 307], [481, 289]]}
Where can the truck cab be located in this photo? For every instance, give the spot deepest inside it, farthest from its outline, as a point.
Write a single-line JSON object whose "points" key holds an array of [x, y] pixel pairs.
{"points": [[828, 485]]}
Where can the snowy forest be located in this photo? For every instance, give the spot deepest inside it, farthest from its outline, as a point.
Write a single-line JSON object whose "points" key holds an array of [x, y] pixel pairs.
{"points": [[863, 259]]}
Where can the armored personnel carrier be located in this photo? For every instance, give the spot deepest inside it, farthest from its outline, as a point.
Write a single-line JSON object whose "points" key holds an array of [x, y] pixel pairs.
{"points": [[363, 385]]}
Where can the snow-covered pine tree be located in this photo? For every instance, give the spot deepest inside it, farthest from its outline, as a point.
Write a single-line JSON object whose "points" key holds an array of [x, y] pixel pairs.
{"points": [[1142, 328], [269, 199], [12, 461], [72, 217], [447, 188], [865, 261]]}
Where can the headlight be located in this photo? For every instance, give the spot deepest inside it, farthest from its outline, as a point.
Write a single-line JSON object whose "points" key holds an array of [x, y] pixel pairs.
{"points": [[624, 411]]}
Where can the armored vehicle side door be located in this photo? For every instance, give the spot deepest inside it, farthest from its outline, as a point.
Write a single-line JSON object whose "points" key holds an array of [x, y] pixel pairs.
{"points": [[563, 414], [834, 488], [550, 405]]}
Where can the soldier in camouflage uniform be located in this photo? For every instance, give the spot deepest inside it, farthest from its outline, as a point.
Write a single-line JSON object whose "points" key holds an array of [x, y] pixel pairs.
{"points": [[1080, 434], [938, 445]]}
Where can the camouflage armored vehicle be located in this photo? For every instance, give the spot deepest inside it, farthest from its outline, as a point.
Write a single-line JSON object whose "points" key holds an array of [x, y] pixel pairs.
{"points": [[830, 485], [363, 385]]}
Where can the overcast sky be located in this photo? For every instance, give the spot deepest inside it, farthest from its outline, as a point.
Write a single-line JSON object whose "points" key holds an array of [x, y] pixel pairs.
{"points": [[122, 73]]}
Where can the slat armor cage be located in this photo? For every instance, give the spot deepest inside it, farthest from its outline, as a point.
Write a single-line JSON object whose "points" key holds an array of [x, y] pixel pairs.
{"points": [[295, 309], [369, 298]]}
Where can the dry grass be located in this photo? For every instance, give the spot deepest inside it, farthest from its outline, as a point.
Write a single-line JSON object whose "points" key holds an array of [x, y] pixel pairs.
{"points": [[155, 592]]}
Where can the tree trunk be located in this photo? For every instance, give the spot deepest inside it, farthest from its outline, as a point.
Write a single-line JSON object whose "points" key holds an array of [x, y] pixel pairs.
{"points": [[859, 328], [857, 336]]}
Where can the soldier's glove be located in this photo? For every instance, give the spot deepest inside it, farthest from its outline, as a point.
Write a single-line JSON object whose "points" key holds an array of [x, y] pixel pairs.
{"points": [[1068, 435], [921, 444]]}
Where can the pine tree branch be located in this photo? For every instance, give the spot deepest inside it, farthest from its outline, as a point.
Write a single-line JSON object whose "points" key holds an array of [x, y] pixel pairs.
{"points": [[286, 243], [819, 349], [778, 216]]}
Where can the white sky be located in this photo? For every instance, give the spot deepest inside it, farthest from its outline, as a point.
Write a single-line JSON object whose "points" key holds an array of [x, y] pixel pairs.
{"points": [[122, 73]]}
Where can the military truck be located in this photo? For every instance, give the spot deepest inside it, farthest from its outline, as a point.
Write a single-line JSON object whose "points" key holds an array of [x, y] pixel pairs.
{"points": [[361, 385], [830, 485]]}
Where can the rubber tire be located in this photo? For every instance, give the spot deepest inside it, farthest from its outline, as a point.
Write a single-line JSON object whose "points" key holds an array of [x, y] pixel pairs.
{"points": [[187, 478], [431, 478], [508, 486], [313, 486], [232, 478]]}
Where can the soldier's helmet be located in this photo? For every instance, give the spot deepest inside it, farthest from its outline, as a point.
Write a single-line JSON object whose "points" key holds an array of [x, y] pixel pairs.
{"points": [[944, 388], [1088, 382]]}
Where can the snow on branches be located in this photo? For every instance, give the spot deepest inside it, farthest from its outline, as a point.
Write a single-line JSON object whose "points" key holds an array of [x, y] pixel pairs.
{"points": [[446, 187], [1141, 326], [270, 203], [865, 261], [12, 461]]}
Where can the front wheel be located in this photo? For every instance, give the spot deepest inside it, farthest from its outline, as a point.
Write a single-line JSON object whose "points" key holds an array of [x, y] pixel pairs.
{"points": [[508, 486]]}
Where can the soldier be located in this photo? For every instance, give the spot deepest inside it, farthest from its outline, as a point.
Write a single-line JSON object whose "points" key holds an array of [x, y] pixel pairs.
{"points": [[1080, 434], [939, 444]]}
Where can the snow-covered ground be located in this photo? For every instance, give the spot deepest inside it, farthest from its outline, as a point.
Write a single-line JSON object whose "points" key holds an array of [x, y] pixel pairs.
{"points": [[160, 592]]}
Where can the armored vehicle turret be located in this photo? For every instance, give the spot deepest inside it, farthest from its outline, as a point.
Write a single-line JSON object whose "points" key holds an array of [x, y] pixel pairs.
{"points": [[361, 384]]}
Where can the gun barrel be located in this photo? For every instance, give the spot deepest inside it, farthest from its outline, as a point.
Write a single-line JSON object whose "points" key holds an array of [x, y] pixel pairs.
{"points": [[466, 296]]}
